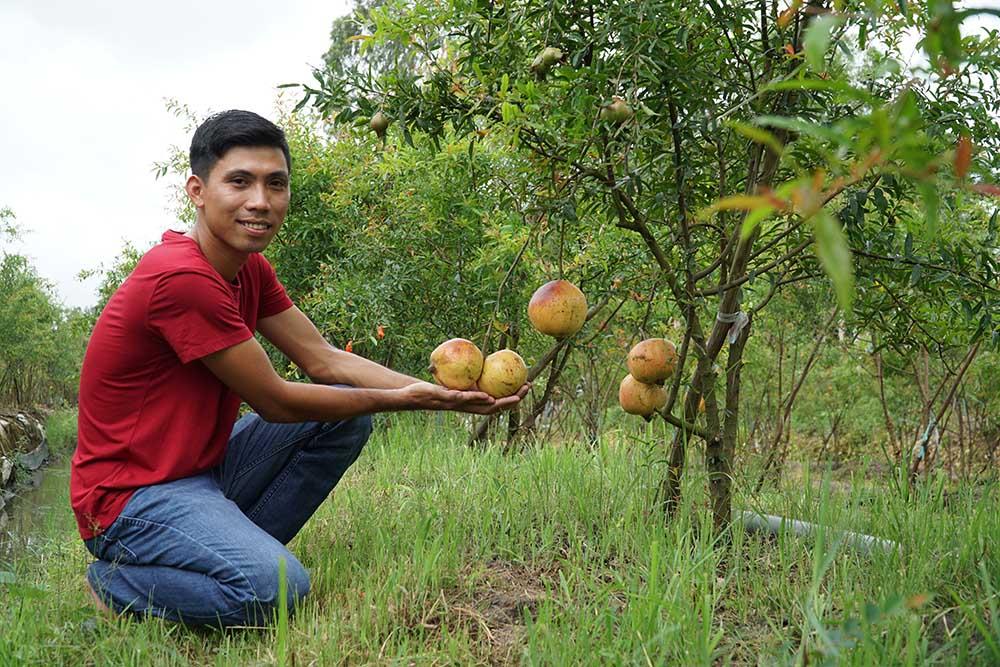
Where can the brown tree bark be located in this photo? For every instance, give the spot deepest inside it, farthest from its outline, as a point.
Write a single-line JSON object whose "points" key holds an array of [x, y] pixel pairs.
{"points": [[719, 454]]}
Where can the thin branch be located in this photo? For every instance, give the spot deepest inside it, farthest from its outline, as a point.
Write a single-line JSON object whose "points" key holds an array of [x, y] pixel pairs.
{"points": [[929, 265], [756, 271]]}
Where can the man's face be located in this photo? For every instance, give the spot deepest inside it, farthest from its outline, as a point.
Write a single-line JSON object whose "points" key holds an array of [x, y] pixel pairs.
{"points": [[245, 197]]}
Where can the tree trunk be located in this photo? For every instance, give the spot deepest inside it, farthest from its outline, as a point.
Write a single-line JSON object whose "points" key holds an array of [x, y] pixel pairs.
{"points": [[719, 455]]}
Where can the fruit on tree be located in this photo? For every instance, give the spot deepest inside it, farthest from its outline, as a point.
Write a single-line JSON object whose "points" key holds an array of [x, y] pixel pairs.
{"points": [[639, 398], [456, 364], [617, 111], [379, 123], [544, 61], [558, 308], [504, 373], [652, 360]]}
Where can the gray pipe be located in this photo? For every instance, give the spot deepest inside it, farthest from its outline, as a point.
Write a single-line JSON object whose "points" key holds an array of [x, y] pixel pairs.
{"points": [[772, 525]]}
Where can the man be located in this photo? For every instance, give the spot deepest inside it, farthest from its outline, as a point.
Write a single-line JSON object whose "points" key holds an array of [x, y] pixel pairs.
{"points": [[186, 513]]}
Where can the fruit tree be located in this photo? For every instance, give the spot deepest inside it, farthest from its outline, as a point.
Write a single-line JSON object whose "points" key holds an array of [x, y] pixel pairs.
{"points": [[746, 147]]}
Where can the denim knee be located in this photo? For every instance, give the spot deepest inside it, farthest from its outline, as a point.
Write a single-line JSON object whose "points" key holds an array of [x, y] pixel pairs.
{"points": [[265, 581], [350, 434], [364, 429]]}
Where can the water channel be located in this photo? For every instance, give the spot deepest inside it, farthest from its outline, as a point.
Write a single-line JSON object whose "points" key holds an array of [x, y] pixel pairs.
{"points": [[30, 515]]}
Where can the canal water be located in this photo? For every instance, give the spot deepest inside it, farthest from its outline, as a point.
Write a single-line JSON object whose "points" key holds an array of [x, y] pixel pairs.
{"points": [[35, 512]]}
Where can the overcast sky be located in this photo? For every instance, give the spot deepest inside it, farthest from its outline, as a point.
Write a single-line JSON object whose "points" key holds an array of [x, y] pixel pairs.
{"points": [[83, 115]]}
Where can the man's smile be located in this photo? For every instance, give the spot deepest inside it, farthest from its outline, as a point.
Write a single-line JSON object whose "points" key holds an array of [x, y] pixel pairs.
{"points": [[254, 225]]}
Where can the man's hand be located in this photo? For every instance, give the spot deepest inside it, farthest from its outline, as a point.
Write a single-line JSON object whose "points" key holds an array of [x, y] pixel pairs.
{"points": [[427, 396]]}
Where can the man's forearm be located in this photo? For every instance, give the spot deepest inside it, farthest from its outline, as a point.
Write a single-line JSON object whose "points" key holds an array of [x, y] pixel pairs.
{"points": [[341, 367], [317, 402]]}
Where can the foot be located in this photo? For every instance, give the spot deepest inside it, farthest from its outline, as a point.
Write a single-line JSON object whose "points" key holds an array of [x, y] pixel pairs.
{"points": [[98, 602]]}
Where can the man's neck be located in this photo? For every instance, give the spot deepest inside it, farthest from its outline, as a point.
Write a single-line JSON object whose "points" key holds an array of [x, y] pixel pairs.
{"points": [[226, 260]]}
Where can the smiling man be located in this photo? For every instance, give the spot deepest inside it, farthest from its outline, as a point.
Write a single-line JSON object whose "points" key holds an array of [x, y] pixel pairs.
{"points": [[186, 509]]}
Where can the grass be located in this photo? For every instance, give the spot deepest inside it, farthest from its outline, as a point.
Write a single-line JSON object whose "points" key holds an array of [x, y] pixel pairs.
{"points": [[430, 553]]}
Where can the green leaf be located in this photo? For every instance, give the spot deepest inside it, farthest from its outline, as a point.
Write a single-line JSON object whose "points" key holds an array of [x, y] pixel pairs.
{"points": [[904, 10], [832, 85], [758, 135], [817, 40], [835, 256], [754, 218], [804, 127], [508, 112]]}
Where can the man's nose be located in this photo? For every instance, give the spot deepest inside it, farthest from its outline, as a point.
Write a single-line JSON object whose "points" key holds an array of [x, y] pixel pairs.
{"points": [[258, 198]]}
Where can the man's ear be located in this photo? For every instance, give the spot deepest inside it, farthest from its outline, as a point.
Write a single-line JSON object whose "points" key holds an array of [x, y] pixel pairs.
{"points": [[194, 187]]}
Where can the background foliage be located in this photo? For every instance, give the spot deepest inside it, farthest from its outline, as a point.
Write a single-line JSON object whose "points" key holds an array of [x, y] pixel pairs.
{"points": [[41, 342]]}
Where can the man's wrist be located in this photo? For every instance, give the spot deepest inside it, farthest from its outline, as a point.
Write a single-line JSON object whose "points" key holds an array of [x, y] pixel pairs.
{"points": [[402, 400]]}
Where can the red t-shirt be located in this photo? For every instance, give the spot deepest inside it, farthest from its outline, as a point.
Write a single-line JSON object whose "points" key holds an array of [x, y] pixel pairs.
{"points": [[148, 411]]}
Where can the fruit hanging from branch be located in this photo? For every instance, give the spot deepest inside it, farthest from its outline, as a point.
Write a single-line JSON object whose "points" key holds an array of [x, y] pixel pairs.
{"points": [[652, 360], [504, 372], [379, 123], [544, 61], [456, 364], [639, 398], [558, 309], [617, 111]]}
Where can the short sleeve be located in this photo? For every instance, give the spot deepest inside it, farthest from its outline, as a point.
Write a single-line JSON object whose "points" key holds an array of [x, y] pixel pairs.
{"points": [[195, 314], [273, 297]]}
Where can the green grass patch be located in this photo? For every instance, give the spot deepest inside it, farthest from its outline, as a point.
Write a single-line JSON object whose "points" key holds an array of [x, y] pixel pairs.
{"points": [[432, 553]]}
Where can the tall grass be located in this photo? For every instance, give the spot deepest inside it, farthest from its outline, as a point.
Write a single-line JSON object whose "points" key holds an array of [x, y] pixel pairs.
{"points": [[432, 553]]}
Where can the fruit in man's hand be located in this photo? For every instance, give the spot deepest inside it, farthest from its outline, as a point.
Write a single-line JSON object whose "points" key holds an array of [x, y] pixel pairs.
{"points": [[504, 372], [652, 360], [558, 308], [456, 364], [639, 398], [617, 111], [379, 123]]}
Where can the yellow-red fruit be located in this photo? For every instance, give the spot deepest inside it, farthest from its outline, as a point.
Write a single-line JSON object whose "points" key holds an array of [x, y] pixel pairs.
{"points": [[639, 398], [652, 360], [504, 373], [379, 123], [701, 405], [558, 308], [456, 364]]}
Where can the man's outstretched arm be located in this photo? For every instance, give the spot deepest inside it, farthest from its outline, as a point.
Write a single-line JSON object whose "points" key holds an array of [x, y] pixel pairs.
{"points": [[294, 334], [245, 369]]}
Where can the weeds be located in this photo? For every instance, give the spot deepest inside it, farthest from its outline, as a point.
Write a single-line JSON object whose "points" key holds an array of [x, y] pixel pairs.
{"points": [[431, 553]]}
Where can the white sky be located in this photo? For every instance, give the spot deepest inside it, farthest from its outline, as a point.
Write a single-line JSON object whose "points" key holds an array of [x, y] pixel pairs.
{"points": [[82, 117]]}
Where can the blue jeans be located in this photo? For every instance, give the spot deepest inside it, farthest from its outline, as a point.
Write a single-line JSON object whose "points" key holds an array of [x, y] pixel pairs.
{"points": [[205, 549]]}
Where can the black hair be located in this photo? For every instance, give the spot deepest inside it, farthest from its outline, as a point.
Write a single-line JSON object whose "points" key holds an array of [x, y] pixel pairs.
{"points": [[229, 129]]}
